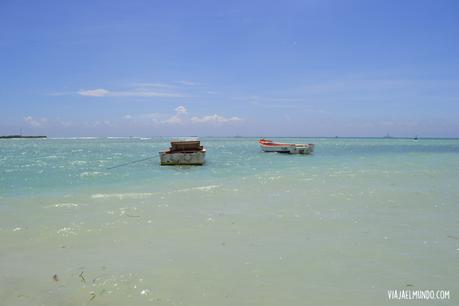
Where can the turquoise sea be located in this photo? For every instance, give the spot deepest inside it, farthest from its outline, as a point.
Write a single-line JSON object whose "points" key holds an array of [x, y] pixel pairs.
{"points": [[340, 227]]}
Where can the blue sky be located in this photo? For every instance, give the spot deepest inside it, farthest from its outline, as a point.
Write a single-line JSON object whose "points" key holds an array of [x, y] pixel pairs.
{"points": [[285, 68]]}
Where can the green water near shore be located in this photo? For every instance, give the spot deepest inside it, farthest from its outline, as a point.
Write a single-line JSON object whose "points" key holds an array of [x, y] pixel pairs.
{"points": [[343, 226]]}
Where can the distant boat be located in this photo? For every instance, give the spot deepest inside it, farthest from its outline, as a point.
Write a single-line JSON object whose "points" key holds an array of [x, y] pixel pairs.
{"points": [[416, 137], [184, 152], [291, 148], [388, 136]]}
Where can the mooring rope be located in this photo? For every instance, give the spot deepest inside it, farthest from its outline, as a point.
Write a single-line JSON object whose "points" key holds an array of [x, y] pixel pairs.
{"points": [[131, 162]]}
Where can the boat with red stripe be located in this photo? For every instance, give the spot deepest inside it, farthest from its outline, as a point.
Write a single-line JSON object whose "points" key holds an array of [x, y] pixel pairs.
{"points": [[291, 148]]}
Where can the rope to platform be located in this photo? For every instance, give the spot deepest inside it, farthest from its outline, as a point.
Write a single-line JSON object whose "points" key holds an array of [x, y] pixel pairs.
{"points": [[131, 162]]}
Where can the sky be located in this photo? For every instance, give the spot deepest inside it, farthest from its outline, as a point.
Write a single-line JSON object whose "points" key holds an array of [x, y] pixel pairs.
{"points": [[229, 68]]}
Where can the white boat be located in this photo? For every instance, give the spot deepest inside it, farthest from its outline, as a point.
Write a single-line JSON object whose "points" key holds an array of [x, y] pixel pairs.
{"points": [[187, 152], [291, 148]]}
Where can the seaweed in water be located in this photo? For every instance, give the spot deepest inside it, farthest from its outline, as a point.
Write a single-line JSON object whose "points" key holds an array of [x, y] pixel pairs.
{"points": [[82, 277]]}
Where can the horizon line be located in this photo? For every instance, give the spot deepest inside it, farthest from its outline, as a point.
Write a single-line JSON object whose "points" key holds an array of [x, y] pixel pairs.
{"points": [[246, 136]]}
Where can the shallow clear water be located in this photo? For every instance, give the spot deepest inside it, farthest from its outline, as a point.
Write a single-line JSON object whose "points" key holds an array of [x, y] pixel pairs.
{"points": [[343, 226]]}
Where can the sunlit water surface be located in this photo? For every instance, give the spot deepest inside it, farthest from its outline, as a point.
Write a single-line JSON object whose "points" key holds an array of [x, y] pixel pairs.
{"points": [[340, 227]]}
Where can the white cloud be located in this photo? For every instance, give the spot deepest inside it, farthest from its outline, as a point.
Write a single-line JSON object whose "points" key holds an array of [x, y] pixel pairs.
{"points": [[214, 119], [187, 83], [180, 117], [94, 92], [138, 92], [35, 122], [176, 89], [180, 110], [176, 119]]}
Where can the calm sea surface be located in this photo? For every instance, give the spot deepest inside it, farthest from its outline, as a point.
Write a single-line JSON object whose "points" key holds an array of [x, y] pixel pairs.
{"points": [[340, 227]]}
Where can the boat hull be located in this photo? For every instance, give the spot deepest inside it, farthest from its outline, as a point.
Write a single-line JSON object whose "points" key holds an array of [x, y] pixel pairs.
{"points": [[196, 158], [269, 146]]}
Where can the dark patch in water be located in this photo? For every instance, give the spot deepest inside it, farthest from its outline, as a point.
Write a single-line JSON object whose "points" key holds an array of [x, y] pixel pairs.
{"points": [[82, 277]]}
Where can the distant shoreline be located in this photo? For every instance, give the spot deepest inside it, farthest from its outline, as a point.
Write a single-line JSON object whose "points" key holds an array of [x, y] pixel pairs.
{"points": [[20, 136]]}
